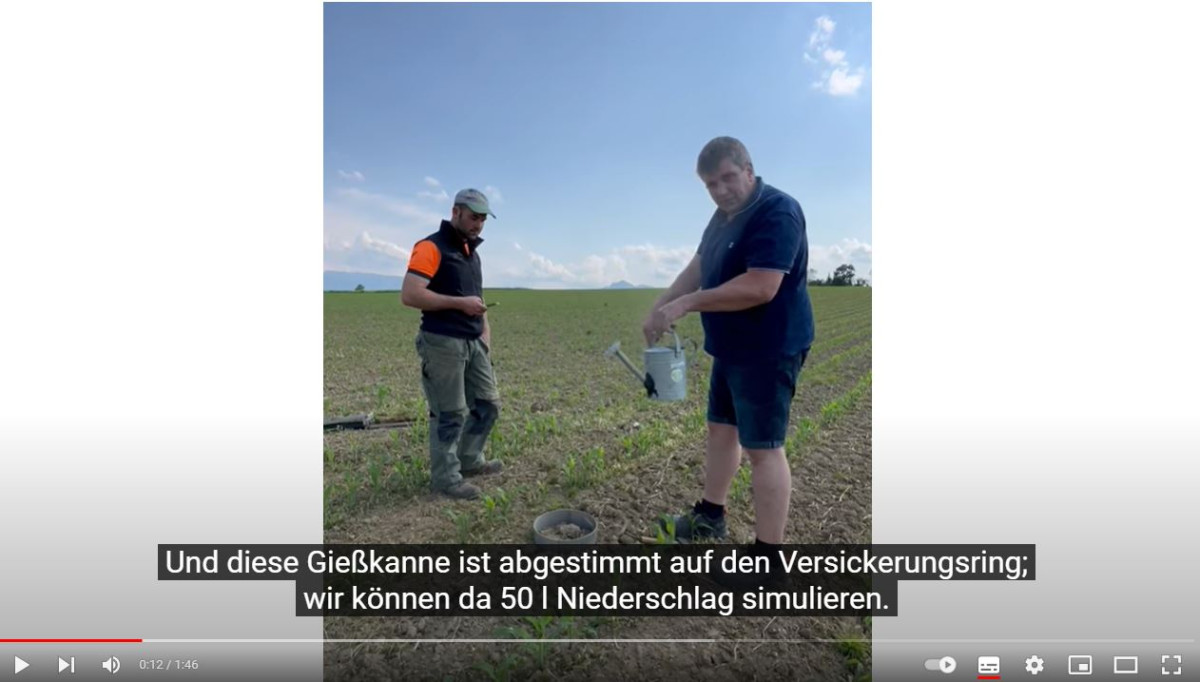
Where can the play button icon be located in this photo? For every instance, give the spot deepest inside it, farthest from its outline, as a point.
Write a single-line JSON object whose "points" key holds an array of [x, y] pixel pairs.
{"points": [[19, 665]]}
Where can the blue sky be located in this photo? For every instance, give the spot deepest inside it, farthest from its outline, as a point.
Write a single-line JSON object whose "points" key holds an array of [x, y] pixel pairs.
{"points": [[582, 123]]}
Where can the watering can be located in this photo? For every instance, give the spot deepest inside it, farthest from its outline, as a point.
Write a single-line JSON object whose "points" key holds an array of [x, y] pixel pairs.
{"points": [[665, 378]]}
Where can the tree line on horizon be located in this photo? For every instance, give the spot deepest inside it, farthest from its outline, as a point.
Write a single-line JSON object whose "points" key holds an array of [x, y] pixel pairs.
{"points": [[843, 276]]}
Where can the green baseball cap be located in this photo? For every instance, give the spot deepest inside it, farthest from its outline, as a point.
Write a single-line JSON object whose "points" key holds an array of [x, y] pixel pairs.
{"points": [[475, 200]]}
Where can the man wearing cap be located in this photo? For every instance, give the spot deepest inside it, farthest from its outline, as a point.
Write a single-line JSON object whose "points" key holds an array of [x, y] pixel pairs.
{"points": [[445, 281], [748, 281]]}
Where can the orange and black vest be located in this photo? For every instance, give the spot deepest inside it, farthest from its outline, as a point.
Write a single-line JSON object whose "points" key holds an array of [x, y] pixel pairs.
{"points": [[452, 267]]}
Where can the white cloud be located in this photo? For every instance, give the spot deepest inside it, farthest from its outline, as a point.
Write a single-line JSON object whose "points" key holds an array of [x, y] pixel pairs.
{"points": [[394, 206], [375, 247], [842, 82], [823, 31], [493, 194], [354, 176], [826, 259], [543, 268], [385, 247], [367, 232], [841, 78], [366, 253], [436, 191], [655, 254], [834, 57], [439, 195], [642, 264]]}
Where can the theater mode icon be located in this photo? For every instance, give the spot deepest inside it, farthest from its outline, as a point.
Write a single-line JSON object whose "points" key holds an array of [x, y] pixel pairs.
{"points": [[1125, 665]]}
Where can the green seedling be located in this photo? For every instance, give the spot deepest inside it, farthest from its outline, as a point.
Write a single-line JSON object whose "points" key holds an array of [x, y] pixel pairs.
{"points": [[502, 671], [462, 525], [496, 504]]}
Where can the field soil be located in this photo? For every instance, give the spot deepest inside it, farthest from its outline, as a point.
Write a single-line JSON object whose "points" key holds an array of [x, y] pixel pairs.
{"points": [[577, 431]]}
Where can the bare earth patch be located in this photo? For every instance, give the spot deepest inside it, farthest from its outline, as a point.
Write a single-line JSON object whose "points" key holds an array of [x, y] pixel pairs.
{"points": [[584, 439]]}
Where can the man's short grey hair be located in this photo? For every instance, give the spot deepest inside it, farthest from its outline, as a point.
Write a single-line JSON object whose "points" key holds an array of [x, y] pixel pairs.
{"points": [[717, 150]]}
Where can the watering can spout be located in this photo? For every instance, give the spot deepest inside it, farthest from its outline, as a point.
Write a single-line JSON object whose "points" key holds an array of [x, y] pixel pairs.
{"points": [[646, 380]]}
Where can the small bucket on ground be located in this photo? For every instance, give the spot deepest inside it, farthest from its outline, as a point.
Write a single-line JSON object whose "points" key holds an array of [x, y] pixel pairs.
{"points": [[565, 527]]}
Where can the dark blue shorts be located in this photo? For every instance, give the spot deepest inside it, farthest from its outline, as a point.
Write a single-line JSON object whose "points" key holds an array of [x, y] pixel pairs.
{"points": [[756, 398]]}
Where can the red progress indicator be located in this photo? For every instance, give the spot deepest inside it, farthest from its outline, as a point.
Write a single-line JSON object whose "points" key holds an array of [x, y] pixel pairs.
{"points": [[70, 641]]}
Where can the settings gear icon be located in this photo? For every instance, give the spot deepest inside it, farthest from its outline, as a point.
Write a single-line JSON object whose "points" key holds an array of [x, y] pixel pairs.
{"points": [[1034, 665]]}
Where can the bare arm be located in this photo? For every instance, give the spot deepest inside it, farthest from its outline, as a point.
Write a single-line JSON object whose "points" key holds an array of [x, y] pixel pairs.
{"points": [[685, 283], [747, 290]]}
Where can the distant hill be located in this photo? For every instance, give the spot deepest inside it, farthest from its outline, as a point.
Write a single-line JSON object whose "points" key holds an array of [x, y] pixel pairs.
{"points": [[348, 281], [621, 285]]}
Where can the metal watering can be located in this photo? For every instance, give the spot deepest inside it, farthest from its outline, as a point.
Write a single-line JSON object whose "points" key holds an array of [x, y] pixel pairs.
{"points": [[665, 378]]}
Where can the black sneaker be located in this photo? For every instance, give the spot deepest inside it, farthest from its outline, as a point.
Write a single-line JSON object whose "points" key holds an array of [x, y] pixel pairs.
{"points": [[695, 526]]}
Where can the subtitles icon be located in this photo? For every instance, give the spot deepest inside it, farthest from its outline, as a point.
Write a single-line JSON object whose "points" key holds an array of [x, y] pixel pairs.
{"points": [[1125, 665], [1079, 665], [989, 666], [945, 664]]}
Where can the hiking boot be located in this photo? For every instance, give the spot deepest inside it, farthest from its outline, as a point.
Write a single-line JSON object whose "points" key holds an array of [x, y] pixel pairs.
{"points": [[494, 466], [696, 526], [463, 491]]}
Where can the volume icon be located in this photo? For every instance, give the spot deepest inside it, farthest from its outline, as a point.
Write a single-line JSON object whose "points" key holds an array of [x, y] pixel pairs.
{"points": [[112, 665]]}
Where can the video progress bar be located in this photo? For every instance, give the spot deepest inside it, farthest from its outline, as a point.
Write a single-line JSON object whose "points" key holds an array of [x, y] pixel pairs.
{"points": [[71, 641], [298, 640], [665, 641]]}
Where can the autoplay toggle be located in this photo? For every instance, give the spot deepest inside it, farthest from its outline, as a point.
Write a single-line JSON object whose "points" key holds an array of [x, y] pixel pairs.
{"points": [[946, 664]]}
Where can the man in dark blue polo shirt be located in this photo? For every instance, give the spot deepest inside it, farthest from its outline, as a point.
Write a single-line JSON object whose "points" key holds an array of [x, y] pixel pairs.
{"points": [[445, 281], [748, 281]]}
